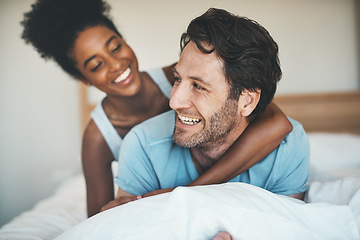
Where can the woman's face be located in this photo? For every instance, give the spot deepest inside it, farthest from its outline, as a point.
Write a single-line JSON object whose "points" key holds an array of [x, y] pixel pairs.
{"points": [[106, 61]]}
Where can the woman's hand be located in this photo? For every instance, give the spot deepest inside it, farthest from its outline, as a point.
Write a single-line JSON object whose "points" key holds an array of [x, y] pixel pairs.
{"points": [[125, 199], [156, 192], [120, 201]]}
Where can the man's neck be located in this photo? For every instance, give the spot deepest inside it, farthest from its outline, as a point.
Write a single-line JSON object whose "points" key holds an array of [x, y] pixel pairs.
{"points": [[204, 157]]}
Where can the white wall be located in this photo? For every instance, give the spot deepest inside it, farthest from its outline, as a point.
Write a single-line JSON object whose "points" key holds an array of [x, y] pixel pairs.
{"points": [[39, 124], [317, 38]]}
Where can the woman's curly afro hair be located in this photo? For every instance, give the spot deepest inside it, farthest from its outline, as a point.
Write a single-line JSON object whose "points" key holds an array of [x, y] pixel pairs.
{"points": [[52, 27]]}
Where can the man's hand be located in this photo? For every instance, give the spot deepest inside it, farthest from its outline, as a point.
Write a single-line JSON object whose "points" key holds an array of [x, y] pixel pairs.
{"points": [[120, 201]]}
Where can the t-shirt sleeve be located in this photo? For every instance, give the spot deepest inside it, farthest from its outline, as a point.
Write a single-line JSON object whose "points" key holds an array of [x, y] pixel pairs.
{"points": [[136, 174], [293, 168]]}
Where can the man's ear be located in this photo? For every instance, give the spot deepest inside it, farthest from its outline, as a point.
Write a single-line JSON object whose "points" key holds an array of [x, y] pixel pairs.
{"points": [[248, 101]]}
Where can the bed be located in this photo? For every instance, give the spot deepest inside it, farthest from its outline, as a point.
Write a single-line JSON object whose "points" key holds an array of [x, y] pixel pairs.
{"points": [[331, 211]]}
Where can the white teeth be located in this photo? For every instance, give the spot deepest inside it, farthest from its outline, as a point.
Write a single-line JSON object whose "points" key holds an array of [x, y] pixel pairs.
{"points": [[123, 76], [189, 120]]}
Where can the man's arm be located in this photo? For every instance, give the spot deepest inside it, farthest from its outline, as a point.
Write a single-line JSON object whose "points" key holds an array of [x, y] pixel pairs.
{"points": [[136, 173], [292, 164]]}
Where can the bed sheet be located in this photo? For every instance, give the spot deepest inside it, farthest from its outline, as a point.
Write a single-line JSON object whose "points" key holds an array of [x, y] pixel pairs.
{"points": [[334, 170], [51, 216]]}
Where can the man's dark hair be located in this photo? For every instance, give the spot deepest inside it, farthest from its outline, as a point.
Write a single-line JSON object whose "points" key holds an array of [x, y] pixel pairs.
{"points": [[249, 53], [52, 27]]}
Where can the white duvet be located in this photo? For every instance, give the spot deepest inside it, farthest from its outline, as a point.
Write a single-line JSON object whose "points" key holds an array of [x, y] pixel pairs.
{"points": [[247, 212], [332, 210], [243, 210]]}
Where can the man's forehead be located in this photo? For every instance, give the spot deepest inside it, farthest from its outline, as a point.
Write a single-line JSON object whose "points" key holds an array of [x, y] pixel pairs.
{"points": [[196, 61], [206, 69], [192, 48]]}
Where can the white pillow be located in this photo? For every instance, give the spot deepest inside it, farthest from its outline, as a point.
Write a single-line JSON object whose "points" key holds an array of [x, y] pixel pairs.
{"points": [[345, 191], [333, 156], [243, 210]]}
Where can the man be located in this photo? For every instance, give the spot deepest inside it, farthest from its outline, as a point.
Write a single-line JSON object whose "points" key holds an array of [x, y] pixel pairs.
{"points": [[226, 76]]}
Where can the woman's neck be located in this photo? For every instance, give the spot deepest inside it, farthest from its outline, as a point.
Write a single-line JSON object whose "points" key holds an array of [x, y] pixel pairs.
{"points": [[148, 102]]}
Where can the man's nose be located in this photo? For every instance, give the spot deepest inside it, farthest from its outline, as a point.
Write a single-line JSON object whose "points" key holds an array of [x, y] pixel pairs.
{"points": [[180, 97]]}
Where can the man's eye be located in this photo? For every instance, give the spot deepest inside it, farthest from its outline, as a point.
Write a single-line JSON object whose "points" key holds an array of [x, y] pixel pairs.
{"points": [[197, 86], [177, 80]]}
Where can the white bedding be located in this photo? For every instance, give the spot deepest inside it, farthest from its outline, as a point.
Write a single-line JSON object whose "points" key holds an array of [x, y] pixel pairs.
{"points": [[247, 212], [52, 216], [243, 210]]}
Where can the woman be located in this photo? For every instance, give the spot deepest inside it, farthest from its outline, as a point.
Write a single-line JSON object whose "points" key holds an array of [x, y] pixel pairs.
{"points": [[80, 36]]}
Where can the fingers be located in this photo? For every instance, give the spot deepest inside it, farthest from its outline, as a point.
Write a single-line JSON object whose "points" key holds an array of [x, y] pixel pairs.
{"points": [[110, 205], [156, 192], [222, 236], [120, 201], [123, 200]]}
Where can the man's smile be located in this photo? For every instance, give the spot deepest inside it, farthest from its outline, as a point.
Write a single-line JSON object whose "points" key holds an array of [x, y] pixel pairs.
{"points": [[189, 120]]}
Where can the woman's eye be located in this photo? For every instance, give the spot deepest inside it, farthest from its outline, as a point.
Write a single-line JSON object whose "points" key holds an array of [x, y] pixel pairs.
{"points": [[116, 48], [96, 67]]}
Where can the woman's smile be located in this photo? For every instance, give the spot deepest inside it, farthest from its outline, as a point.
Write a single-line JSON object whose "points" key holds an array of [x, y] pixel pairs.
{"points": [[124, 77]]}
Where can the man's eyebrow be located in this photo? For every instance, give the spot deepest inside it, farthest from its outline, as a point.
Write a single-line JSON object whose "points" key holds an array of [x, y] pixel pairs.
{"points": [[196, 78], [202, 81], [93, 56], [175, 71]]}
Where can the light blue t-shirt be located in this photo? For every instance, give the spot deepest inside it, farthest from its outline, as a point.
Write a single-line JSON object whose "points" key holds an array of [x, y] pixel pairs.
{"points": [[150, 160]]}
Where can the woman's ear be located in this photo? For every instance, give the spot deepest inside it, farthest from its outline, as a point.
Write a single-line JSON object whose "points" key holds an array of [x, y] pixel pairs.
{"points": [[249, 101], [83, 80]]}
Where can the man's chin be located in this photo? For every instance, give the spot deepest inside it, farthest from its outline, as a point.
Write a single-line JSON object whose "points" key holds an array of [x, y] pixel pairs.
{"points": [[181, 142], [186, 142]]}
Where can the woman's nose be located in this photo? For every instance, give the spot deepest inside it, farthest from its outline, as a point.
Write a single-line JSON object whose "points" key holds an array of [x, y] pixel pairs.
{"points": [[114, 64]]}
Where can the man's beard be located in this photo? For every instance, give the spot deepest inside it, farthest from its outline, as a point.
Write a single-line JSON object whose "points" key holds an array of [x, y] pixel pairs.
{"points": [[214, 132]]}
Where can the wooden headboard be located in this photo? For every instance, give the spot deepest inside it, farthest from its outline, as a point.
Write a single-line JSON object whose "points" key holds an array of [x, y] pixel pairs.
{"points": [[325, 112], [86, 107]]}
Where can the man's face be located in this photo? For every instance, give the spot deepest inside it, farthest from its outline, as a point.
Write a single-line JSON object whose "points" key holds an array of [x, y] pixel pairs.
{"points": [[204, 113]]}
